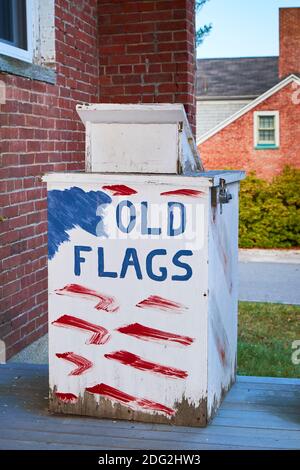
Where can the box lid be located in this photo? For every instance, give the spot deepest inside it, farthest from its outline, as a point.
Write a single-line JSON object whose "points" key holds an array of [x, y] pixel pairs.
{"points": [[204, 179], [118, 141]]}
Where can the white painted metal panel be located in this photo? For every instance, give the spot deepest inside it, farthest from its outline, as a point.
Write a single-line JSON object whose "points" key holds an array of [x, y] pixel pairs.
{"points": [[205, 180], [223, 298], [139, 138], [74, 221], [123, 148]]}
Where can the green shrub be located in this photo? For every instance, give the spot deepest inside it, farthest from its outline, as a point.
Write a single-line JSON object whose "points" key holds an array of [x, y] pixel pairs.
{"points": [[270, 212]]}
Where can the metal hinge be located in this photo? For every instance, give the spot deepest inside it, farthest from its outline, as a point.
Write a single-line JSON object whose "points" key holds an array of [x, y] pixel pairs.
{"points": [[224, 194], [220, 195]]}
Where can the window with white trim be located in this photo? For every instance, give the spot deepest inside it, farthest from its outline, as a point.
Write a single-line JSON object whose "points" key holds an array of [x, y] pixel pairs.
{"points": [[16, 29], [266, 129]]}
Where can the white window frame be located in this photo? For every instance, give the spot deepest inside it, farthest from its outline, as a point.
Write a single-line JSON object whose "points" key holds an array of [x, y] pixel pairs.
{"points": [[256, 116], [16, 52]]}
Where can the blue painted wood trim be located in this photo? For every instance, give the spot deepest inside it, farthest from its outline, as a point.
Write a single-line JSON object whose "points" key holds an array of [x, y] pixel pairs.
{"points": [[18, 67], [266, 147]]}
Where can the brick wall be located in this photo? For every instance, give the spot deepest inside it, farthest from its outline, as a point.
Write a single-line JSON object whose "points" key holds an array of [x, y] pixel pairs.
{"points": [[146, 55], [289, 55], [147, 52], [233, 146], [40, 132]]}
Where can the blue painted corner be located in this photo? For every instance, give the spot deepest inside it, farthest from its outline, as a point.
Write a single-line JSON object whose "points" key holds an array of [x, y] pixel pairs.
{"points": [[71, 208]]}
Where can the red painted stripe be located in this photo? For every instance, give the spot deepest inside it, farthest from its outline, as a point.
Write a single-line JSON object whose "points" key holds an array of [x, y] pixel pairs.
{"points": [[105, 302], [66, 397], [81, 362], [145, 333], [100, 336], [137, 362], [129, 400], [183, 192], [156, 302], [120, 190]]}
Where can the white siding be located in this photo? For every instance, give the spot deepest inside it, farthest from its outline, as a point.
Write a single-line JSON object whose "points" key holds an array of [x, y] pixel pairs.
{"points": [[212, 113]]}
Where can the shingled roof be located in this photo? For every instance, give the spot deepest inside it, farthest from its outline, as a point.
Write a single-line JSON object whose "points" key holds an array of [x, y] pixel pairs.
{"points": [[237, 77]]}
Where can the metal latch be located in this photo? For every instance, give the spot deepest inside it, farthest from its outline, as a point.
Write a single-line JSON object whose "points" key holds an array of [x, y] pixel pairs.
{"points": [[224, 194]]}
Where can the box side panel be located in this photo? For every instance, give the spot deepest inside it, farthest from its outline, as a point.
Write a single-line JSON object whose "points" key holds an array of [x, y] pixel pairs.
{"points": [[223, 298], [135, 148], [128, 311], [190, 161]]}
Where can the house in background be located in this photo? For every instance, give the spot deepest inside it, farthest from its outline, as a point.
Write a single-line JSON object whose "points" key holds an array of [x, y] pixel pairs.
{"points": [[224, 86], [248, 109]]}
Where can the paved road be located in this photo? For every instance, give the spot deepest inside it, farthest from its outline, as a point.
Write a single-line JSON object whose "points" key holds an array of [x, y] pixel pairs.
{"points": [[270, 282]]}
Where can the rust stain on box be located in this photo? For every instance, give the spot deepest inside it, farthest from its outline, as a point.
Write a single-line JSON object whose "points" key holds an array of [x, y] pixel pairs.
{"points": [[186, 414]]}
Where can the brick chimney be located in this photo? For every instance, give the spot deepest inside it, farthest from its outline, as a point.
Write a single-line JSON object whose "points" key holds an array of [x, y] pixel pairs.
{"points": [[289, 55], [147, 52]]}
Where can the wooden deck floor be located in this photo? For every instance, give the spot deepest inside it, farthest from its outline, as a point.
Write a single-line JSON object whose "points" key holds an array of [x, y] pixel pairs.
{"points": [[258, 413]]}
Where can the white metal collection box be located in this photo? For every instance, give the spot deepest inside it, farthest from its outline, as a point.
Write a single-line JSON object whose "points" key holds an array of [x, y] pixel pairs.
{"points": [[142, 283]]}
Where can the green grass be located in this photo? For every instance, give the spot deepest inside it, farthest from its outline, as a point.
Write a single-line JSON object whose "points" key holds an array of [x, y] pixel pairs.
{"points": [[266, 333]]}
